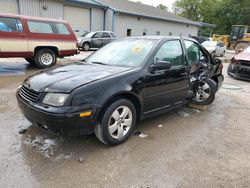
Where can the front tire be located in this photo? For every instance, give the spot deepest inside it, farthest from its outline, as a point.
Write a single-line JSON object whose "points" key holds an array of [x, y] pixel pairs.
{"points": [[45, 58], [117, 123], [86, 46], [205, 94]]}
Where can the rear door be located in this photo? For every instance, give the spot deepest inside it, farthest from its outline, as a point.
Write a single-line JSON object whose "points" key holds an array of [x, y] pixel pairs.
{"points": [[106, 38], [167, 88], [13, 39]]}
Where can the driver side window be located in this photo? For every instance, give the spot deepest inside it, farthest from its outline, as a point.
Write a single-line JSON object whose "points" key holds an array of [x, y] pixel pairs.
{"points": [[171, 52], [97, 35]]}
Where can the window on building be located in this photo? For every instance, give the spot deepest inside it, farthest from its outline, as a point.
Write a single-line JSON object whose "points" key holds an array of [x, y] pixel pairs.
{"points": [[144, 33], [158, 33], [172, 52], [170, 33], [129, 32], [47, 28], [106, 35], [10, 25]]}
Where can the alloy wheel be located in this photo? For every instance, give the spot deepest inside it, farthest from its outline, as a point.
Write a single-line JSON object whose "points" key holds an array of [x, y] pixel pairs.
{"points": [[46, 59], [203, 92], [120, 122]]}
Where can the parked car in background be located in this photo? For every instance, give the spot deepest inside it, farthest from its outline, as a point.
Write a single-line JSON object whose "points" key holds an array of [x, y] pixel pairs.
{"points": [[39, 40], [240, 65], [200, 39], [127, 80], [215, 48], [96, 39]]}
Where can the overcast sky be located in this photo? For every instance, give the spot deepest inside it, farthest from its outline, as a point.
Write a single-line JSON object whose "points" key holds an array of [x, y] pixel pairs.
{"points": [[168, 3]]}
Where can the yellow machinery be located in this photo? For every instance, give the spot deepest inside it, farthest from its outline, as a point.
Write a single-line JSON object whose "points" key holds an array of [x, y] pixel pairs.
{"points": [[238, 39]]}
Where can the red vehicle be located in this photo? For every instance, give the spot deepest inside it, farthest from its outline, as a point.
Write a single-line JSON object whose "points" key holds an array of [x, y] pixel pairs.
{"points": [[39, 40], [240, 65]]}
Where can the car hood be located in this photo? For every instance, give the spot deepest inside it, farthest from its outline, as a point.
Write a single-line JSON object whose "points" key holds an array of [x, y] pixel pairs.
{"points": [[245, 56], [85, 38], [68, 77], [209, 48]]}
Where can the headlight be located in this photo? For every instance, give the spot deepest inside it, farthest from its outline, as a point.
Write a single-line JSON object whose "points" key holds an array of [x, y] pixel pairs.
{"points": [[55, 99]]}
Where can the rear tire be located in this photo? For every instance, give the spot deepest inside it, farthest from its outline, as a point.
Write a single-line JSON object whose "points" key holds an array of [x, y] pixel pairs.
{"points": [[117, 122], [206, 93], [45, 58]]}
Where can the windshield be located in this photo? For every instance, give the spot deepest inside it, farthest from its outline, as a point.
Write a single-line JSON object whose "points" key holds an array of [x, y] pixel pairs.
{"points": [[85, 34], [127, 53], [89, 35], [209, 43]]}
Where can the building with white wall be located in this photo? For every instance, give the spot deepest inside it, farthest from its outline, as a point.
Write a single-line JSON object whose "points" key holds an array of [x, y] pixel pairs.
{"points": [[126, 18]]}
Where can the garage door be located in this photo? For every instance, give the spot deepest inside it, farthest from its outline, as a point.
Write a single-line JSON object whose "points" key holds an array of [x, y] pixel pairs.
{"points": [[8, 6], [79, 18]]}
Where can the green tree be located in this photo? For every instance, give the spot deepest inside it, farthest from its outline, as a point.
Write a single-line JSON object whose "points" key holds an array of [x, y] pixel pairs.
{"points": [[223, 13], [162, 7]]}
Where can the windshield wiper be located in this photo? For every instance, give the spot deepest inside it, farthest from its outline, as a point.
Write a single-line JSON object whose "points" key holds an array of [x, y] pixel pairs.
{"points": [[99, 63]]}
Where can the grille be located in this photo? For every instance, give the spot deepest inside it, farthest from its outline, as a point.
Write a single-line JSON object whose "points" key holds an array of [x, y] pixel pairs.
{"points": [[245, 63], [244, 73], [28, 94]]}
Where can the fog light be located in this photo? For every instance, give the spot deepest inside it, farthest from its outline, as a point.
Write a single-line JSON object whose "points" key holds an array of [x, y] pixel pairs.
{"points": [[85, 114]]}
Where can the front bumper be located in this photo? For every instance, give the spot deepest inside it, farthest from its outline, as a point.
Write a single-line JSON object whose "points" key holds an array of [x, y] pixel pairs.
{"points": [[240, 72], [68, 124]]}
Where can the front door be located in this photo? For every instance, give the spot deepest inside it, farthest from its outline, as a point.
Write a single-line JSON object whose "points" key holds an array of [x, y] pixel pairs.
{"points": [[96, 41], [13, 39], [166, 88]]}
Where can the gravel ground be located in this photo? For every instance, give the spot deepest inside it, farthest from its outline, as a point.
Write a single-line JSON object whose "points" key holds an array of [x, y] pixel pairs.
{"points": [[183, 148]]}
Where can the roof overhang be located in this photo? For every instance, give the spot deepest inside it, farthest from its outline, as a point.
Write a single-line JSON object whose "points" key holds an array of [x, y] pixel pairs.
{"points": [[85, 3]]}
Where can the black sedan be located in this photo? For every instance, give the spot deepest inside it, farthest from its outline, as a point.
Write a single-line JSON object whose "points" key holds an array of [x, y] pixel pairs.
{"points": [[125, 81]]}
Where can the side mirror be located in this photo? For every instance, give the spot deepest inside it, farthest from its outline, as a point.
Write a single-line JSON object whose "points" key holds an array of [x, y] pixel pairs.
{"points": [[161, 65]]}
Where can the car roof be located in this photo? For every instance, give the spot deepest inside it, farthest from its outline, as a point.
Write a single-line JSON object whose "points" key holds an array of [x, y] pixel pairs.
{"points": [[162, 37], [102, 31], [32, 18]]}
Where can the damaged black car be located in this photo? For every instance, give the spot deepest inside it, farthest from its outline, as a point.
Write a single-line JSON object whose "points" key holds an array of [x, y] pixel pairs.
{"points": [[126, 81]]}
